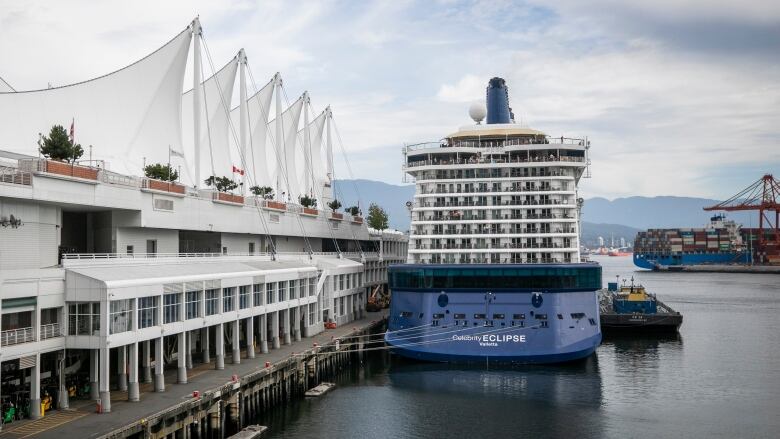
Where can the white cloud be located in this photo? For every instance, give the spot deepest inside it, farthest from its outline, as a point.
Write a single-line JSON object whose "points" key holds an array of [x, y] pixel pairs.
{"points": [[469, 88], [663, 116]]}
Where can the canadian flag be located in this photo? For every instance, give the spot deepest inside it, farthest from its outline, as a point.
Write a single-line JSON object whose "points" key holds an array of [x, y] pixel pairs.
{"points": [[238, 170]]}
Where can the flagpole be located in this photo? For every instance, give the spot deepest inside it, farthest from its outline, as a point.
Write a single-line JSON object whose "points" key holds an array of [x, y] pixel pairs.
{"points": [[169, 168]]}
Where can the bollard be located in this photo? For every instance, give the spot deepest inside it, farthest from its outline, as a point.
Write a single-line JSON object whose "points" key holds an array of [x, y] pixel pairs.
{"points": [[99, 406], [234, 378], [196, 394], [267, 364]]}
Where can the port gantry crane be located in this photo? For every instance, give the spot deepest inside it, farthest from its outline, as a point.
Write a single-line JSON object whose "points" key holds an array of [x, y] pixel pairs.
{"points": [[763, 196]]}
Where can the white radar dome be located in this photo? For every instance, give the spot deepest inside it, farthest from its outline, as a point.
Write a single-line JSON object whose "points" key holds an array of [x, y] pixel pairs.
{"points": [[477, 111]]}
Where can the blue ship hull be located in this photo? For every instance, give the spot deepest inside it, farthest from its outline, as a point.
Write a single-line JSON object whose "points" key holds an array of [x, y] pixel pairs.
{"points": [[652, 261], [513, 323]]}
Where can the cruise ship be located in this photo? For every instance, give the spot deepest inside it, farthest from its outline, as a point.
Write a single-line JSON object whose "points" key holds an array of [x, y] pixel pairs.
{"points": [[109, 275], [494, 272]]}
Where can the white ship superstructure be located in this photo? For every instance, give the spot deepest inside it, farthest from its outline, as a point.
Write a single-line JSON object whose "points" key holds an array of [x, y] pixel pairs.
{"points": [[101, 265], [496, 193]]}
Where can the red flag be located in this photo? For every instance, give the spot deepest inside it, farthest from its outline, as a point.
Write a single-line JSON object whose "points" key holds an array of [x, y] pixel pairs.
{"points": [[237, 170], [73, 130]]}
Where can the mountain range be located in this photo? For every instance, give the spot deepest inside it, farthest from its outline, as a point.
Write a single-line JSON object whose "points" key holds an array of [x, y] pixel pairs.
{"points": [[621, 217]]}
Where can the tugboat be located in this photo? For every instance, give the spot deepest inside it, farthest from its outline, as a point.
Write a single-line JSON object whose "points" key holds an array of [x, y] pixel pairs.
{"points": [[632, 309]]}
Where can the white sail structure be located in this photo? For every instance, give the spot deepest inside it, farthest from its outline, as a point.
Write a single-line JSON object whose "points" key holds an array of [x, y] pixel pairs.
{"points": [[261, 160], [128, 115], [5, 87], [316, 175], [287, 147], [215, 136]]}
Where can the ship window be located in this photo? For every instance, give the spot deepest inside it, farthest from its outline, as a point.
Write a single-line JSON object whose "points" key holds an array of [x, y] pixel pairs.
{"points": [[460, 316], [541, 317], [592, 322], [522, 324], [498, 317], [560, 316], [577, 315], [475, 323], [421, 315], [518, 316], [438, 316], [544, 324], [479, 316], [406, 314]]}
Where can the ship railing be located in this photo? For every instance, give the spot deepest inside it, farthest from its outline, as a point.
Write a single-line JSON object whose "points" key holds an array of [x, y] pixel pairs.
{"points": [[490, 190], [535, 159], [12, 337], [12, 175], [519, 141], [513, 174]]}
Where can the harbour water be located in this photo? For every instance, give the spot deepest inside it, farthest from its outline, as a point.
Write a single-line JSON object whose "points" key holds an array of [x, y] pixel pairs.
{"points": [[719, 378]]}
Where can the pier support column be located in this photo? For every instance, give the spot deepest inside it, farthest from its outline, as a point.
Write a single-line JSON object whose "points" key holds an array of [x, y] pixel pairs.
{"points": [[159, 378], [220, 346], [250, 337], [121, 366], [105, 374], [189, 348], [35, 389], [94, 375], [297, 323], [133, 391], [181, 346], [204, 344], [275, 329], [236, 342], [146, 363], [264, 333], [287, 339]]}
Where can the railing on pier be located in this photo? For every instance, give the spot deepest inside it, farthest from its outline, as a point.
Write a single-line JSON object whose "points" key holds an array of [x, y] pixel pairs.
{"points": [[51, 330], [11, 175], [16, 336]]}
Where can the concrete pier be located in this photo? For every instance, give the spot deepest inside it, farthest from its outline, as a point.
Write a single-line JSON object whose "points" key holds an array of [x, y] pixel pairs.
{"points": [[222, 407]]}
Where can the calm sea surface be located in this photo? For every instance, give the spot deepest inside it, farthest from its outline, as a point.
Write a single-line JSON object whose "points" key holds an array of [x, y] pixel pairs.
{"points": [[720, 378]]}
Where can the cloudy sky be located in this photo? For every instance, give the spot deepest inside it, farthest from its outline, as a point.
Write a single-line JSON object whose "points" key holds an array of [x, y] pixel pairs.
{"points": [[678, 97]]}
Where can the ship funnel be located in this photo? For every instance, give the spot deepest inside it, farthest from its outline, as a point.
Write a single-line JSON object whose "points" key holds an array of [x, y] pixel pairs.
{"points": [[498, 110]]}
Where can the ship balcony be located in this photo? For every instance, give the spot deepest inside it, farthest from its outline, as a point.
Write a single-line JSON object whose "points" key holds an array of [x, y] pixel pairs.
{"points": [[474, 163], [422, 205], [466, 219], [545, 142], [478, 246], [493, 191], [478, 175], [494, 233]]}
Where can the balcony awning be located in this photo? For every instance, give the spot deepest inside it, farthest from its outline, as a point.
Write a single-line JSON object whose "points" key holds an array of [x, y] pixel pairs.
{"points": [[127, 275]]}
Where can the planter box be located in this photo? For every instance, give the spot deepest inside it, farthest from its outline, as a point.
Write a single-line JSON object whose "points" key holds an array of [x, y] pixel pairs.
{"points": [[310, 211], [230, 198], [164, 186], [357, 220], [337, 216], [61, 168], [275, 205]]}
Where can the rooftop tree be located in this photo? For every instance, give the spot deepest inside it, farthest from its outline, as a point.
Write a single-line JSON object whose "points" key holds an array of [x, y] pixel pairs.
{"points": [[58, 146]]}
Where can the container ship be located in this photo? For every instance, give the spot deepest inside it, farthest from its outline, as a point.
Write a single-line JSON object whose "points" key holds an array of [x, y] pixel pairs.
{"points": [[721, 242], [494, 271]]}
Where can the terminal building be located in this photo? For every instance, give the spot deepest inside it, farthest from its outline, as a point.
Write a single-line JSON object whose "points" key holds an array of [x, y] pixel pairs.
{"points": [[108, 276]]}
